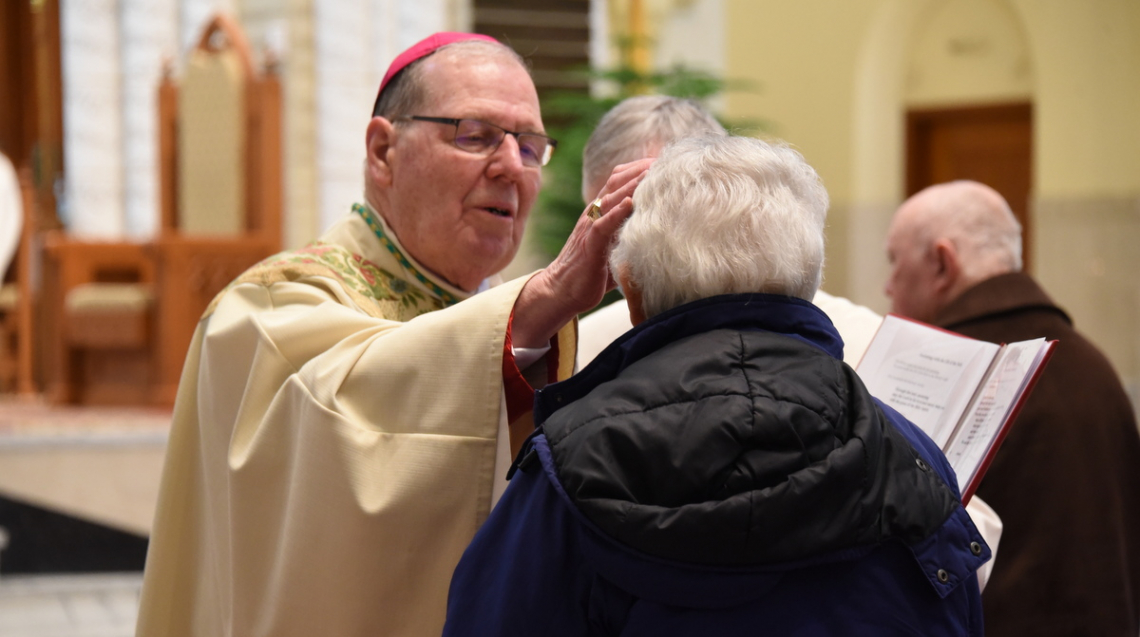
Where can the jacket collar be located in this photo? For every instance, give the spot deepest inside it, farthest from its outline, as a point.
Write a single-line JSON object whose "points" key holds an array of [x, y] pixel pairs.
{"points": [[1015, 291], [776, 313]]}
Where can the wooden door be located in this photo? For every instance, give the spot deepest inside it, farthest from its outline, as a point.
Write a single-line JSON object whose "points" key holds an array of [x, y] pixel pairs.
{"points": [[990, 144]]}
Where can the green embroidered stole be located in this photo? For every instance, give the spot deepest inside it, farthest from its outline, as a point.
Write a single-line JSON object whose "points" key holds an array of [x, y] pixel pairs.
{"points": [[376, 291]]}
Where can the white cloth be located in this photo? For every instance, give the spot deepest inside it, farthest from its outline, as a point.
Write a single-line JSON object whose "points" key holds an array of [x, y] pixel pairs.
{"points": [[856, 324], [990, 526], [11, 213], [600, 328]]}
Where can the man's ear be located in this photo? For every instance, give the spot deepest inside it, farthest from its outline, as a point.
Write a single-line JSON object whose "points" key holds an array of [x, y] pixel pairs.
{"points": [[379, 140], [947, 265], [632, 296]]}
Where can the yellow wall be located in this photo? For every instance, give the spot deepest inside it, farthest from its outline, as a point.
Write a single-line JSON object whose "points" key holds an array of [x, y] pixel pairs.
{"points": [[806, 56], [1087, 56], [968, 52], [802, 56], [838, 75], [1087, 161]]}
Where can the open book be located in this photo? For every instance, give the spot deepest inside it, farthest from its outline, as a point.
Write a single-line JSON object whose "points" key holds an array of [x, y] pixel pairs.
{"points": [[964, 393]]}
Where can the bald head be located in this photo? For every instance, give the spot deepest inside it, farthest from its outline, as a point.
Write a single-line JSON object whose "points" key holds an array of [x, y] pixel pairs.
{"points": [[946, 239]]}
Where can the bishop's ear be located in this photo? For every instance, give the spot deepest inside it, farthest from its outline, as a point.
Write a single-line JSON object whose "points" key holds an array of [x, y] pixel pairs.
{"points": [[379, 140]]}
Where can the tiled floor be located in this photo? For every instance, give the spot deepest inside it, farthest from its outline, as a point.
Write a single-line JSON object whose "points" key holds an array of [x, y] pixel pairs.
{"points": [[95, 605]]}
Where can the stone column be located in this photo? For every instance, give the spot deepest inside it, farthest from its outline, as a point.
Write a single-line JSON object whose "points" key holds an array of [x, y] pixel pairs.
{"points": [[149, 34], [93, 160]]}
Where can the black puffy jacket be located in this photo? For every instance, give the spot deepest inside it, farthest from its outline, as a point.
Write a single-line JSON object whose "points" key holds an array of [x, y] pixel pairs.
{"points": [[719, 468]]}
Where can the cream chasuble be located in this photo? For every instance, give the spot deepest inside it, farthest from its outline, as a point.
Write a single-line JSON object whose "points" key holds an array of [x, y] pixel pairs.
{"points": [[333, 446]]}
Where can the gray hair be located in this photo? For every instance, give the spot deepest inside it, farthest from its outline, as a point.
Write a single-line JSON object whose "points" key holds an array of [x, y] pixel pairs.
{"points": [[723, 215], [639, 127], [407, 92], [980, 224]]}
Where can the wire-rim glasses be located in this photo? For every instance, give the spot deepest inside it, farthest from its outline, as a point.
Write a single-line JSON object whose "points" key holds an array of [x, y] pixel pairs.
{"points": [[481, 138]]}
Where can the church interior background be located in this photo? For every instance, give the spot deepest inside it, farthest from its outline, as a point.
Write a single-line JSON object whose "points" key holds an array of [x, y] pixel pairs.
{"points": [[1039, 98]]}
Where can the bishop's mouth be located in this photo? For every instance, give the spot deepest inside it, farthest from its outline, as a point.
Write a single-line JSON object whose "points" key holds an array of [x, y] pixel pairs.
{"points": [[498, 212]]}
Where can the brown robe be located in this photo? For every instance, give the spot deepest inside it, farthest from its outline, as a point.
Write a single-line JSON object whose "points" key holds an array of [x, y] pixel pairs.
{"points": [[1066, 482]]}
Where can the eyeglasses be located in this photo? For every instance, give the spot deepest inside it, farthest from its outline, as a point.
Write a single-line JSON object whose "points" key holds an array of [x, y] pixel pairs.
{"points": [[482, 138]]}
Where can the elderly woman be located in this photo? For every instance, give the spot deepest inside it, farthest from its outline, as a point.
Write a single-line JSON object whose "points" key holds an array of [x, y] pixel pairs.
{"points": [[718, 470]]}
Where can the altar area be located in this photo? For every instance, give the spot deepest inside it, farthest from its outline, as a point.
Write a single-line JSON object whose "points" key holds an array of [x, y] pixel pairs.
{"points": [[98, 464], [78, 487]]}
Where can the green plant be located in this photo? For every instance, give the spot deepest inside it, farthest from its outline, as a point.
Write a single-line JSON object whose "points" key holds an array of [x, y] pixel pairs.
{"points": [[572, 116]]}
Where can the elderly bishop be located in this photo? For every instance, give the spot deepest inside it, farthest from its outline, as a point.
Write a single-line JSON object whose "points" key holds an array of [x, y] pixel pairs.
{"points": [[348, 411]]}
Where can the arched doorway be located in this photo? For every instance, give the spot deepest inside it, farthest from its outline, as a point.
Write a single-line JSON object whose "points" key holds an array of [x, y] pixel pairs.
{"points": [[923, 57], [968, 92]]}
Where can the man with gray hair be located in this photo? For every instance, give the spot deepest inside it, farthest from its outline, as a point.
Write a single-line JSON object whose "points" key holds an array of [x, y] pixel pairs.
{"points": [[1066, 481], [718, 470], [640, 127]]}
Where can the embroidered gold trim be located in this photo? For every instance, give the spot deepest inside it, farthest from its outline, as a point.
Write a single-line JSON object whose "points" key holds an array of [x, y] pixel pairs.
{"points": [[376, 291]]}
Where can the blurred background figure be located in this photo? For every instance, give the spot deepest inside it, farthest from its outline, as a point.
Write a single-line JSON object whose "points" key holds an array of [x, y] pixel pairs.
{"points": [[640, 127], [1066, 482], [11, 213], [636, 128]]}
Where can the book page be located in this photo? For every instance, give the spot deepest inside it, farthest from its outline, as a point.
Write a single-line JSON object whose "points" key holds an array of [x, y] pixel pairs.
{"points": [[927, 374], [984, 419]]}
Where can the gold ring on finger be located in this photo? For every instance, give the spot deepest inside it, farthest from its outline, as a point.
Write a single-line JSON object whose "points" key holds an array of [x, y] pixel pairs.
{"points": [[594, 212]]}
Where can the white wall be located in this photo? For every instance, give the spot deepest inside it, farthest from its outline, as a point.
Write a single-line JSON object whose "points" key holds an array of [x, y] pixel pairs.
{"points": [[148, 30], [112, 54], [355, 41], [92, 204], [838, 75]]}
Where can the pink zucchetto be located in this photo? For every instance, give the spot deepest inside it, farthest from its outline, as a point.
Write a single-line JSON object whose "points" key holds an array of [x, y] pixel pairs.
{"points": [[424, 48]]}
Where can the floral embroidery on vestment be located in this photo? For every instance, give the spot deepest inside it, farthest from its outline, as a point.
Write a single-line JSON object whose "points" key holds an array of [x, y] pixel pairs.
{"points": [[375, 290], [378, 230]]}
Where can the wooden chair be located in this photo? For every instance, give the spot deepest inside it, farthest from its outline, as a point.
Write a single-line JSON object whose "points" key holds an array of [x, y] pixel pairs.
{"points": [[220, 153], [99, 312], [123, 314]]}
